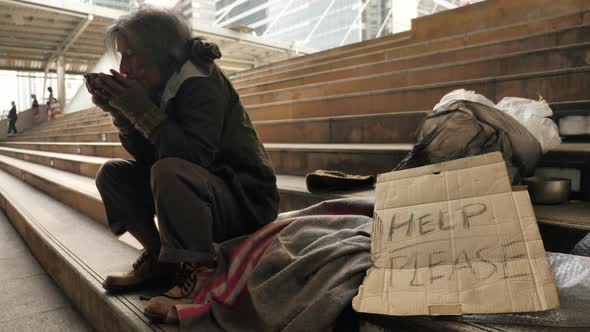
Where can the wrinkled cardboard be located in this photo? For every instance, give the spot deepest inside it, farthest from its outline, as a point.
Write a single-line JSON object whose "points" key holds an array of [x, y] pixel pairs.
{"points": [[454, 238]]}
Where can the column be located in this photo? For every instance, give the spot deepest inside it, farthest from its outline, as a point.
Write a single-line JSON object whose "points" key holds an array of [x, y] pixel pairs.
{"points": [[61, 82]]}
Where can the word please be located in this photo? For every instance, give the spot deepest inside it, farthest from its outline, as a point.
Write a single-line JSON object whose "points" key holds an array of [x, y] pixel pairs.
{"points": [[430, 267]]}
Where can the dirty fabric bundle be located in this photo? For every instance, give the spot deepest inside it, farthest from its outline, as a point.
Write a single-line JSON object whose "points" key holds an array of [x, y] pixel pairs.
{"points": [[300, 272], [467, 129], [296, 274]]}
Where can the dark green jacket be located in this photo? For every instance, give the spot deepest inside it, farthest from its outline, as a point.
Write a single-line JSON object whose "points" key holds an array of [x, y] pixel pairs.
{"points": [[208, 125]]}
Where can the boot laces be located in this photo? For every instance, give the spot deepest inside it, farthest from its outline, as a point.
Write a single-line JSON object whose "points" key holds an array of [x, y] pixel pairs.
{"points": [[186, 278], [190, 275], [145, 256]]}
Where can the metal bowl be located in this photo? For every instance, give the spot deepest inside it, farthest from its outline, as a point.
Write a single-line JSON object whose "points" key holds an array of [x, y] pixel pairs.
{"points": [[548, 190]]}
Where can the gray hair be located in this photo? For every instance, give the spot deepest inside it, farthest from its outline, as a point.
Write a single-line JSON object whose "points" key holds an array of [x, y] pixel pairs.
{"points": [[159, 35]]}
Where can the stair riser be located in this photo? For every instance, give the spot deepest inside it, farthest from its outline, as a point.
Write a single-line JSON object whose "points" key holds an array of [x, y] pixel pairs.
{"points": [[365, 163], [76, 167], [521, 64], [508, 34], [395, 128], [86, 296], [89, 206], [97, 151], [554, 88]]}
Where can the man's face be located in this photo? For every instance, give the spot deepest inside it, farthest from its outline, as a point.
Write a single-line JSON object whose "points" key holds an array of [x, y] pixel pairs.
{"points": [[134, 65]]}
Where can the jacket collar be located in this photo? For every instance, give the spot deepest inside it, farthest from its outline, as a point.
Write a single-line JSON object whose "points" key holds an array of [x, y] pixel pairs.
{"points": [[188, 70]]}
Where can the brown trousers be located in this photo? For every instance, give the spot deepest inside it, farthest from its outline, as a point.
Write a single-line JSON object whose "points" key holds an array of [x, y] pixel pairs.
{"points": [[194, 207]]}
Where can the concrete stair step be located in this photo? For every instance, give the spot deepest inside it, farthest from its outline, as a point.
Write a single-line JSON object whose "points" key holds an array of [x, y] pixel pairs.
{"points": [[554, 86], [382, 61], [372, 128], [365, 129], [359, 66], [492, 36], [77, 253], [330, 54], [74, 128], [324, 56], [65, 184], [84, 116], [105, 150], [77, 164], [30, 300], [369, 128], [55, 125], [77, 191], [292, 159], [75, 115], [108, 136], [569, 56], [287, 158]]}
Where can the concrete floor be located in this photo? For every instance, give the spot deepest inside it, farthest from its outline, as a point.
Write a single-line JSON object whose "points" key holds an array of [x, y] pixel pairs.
{"points": [[29, 299]]}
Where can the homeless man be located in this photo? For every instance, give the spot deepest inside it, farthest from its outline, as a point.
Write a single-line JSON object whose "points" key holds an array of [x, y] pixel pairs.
{"points": [[199, 166]]}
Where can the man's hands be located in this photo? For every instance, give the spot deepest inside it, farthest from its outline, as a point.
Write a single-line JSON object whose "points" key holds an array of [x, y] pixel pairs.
{"points": [[128, 98], [101, 97]]}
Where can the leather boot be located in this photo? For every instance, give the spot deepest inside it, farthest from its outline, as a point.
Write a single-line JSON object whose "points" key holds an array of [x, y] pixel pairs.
{"points": [[146, 272], [191, 280]]}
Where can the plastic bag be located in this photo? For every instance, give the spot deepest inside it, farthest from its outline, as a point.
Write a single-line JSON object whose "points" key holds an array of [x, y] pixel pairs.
{"points": [[534, 116], [461, 94], [467, 128], [572, 279]]}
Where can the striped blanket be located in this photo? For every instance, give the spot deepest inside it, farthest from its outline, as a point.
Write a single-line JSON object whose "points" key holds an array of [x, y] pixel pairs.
{"points": [[296, 274]]}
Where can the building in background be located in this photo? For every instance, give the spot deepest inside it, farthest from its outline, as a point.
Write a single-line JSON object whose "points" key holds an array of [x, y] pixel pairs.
{"points": [[324, 24], [315, 24], [310, 24], [123, 5], [197, 12]]}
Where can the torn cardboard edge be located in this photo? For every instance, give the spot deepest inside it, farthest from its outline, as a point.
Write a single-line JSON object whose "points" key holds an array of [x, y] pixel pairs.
{"points": [[453, 238]]}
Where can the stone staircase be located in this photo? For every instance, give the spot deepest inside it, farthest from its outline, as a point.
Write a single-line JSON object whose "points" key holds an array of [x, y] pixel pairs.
{"points": [[354, 109]]}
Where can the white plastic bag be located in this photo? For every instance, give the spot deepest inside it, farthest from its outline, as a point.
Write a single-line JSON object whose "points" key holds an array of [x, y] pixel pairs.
{"points": [[534, 116], [462, 94]]}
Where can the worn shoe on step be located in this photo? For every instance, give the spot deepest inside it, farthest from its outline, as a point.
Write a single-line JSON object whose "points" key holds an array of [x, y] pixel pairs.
{"points": [[191, 279], [146, 272]]}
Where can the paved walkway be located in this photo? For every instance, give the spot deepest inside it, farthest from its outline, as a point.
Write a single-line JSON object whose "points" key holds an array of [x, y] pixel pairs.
{"points": [[29, 299]]}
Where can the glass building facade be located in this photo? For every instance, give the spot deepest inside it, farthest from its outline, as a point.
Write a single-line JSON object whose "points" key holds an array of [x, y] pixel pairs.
{"points": [[314, 24], [324, 24]]}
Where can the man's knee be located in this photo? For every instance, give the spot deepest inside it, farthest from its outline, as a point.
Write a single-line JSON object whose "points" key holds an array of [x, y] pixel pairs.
{"points": [[108, 173], [168, 174]]}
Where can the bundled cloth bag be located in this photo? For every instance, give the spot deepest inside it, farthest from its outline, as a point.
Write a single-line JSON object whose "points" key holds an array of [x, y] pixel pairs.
{"points": [[467, 128]]}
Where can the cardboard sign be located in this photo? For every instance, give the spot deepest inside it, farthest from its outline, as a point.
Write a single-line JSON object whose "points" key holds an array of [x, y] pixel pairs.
{"points": [[453, 238]]}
